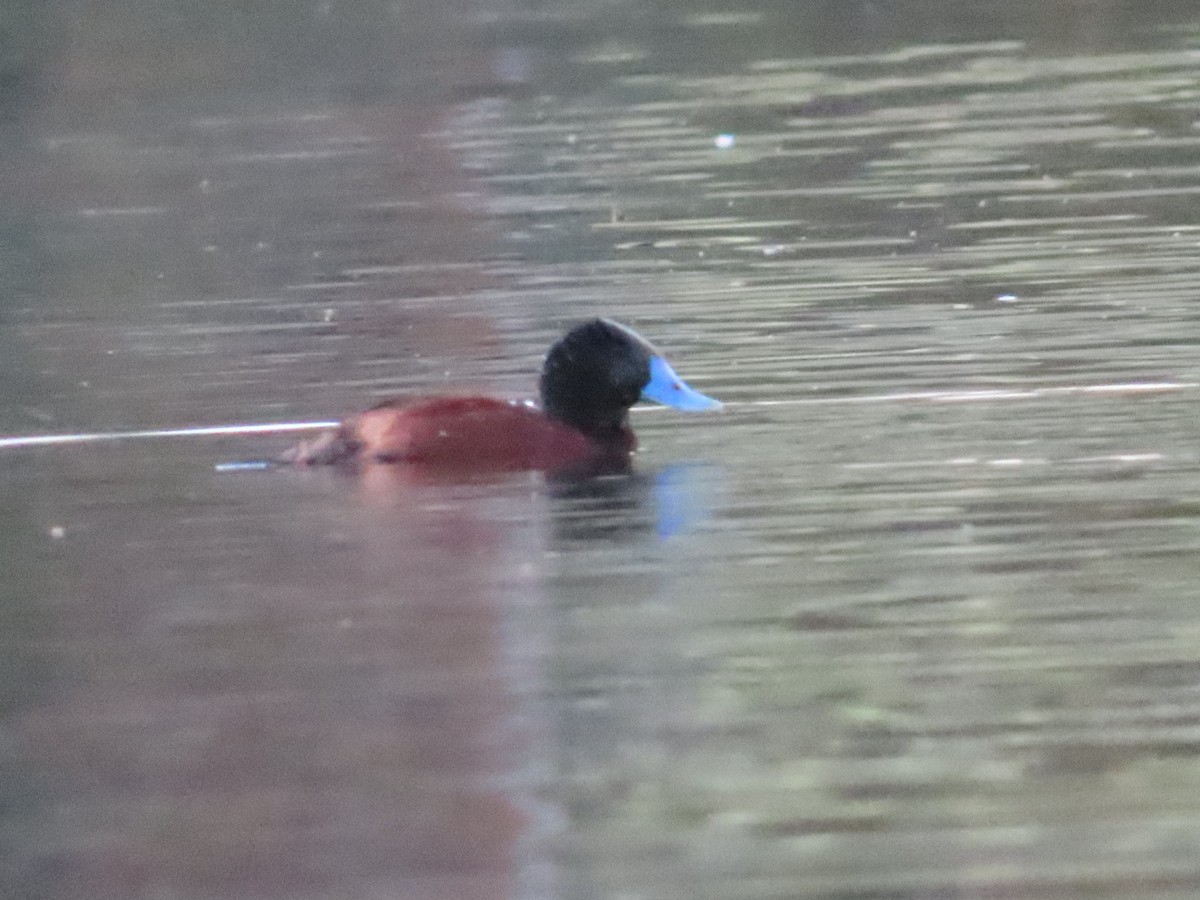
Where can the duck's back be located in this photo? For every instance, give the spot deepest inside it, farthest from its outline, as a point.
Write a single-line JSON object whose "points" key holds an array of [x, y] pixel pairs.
{"points": [[458, 431]]}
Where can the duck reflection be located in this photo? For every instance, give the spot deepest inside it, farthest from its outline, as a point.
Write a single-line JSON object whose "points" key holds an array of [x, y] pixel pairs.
{"points": [[425, 640], [620, 502]]}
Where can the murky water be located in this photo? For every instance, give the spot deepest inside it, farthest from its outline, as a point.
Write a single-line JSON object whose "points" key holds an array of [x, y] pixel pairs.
{"points": [[915, 617]]}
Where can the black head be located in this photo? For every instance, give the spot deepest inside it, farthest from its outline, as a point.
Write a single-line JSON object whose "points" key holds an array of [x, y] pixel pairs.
{"points": [[594, 374]]}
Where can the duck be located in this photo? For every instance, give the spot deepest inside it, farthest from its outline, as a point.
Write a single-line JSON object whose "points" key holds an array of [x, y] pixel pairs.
{"points": [[590, 379]]}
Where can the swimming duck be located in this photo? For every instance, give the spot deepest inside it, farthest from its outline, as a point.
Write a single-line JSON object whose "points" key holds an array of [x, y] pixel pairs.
{"points": [[590, 379]]}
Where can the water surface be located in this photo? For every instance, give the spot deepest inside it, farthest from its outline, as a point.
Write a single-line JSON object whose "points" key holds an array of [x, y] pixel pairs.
{"points": [[914, 617]]}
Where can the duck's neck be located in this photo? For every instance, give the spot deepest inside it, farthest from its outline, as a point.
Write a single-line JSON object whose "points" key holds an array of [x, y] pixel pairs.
{"points": [[610, 430], [615, 437]]}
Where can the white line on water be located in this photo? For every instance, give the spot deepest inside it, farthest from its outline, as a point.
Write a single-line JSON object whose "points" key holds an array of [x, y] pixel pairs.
{"points": [[982, 395], [42, 440], [1008, 461]]}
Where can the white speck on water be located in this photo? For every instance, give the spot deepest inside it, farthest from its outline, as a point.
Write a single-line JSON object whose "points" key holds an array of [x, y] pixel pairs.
{"points": [[58, 532], [724, 141], [1007, 298]]}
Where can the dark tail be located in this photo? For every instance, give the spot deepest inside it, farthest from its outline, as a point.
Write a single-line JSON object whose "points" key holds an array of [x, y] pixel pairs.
{"points": [[328, 448]]}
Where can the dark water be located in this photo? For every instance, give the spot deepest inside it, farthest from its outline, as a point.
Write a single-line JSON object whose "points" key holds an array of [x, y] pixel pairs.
{"points": [[915, 618]]}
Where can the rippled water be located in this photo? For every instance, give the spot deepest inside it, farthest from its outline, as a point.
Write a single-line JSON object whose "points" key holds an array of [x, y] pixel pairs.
{"points": [[915, 617]]}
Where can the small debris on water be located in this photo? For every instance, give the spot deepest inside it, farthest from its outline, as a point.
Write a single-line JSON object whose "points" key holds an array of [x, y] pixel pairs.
{"points": [[57, 532], [724, 141], [1007, 298], [246, 465]]}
